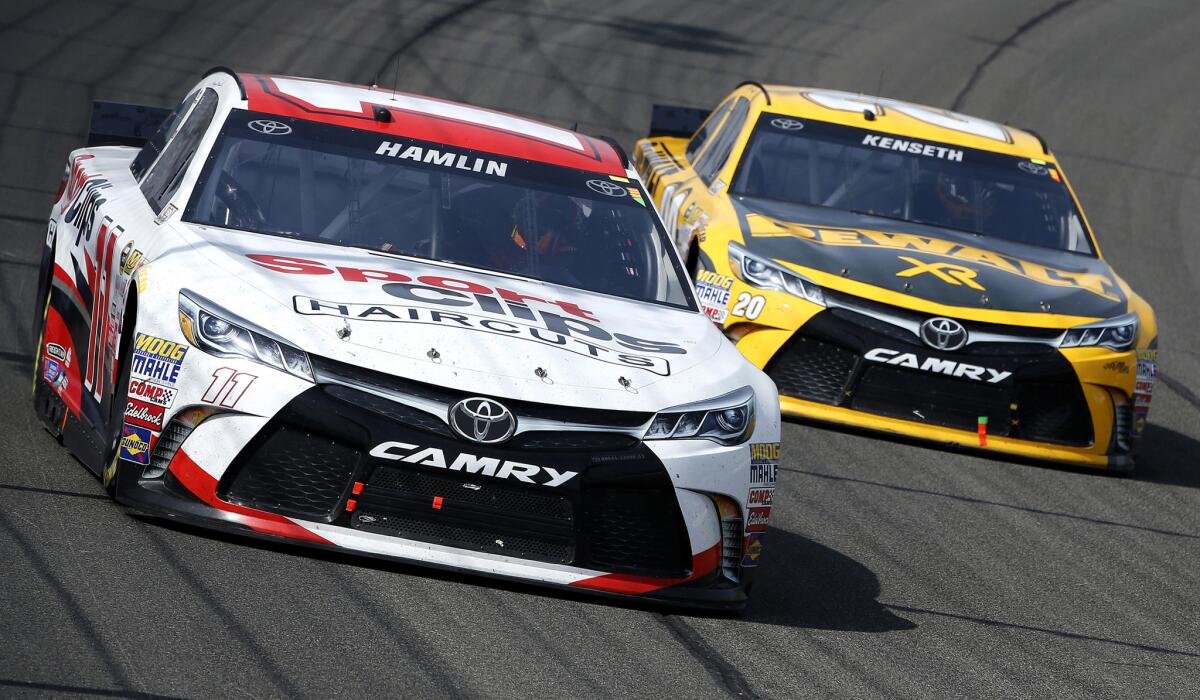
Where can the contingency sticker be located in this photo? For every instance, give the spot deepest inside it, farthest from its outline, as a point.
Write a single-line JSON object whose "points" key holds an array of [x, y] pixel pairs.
{"points": [[764, 473], [712, 290], [135, 444], [157, 359], [1143, 388]]}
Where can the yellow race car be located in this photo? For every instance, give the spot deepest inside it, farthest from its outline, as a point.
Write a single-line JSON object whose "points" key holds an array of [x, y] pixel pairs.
{"points": [[907, 269]]}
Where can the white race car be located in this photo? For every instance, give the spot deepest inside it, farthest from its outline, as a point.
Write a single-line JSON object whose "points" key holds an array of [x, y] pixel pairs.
{"points": [[400, 326]]}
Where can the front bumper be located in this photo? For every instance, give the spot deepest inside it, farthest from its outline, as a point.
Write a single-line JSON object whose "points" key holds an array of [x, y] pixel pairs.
{"points": [[619, 527], [845, 367]]}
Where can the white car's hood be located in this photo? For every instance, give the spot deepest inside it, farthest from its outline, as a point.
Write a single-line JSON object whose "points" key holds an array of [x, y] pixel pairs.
{"points": [[465, 328]]}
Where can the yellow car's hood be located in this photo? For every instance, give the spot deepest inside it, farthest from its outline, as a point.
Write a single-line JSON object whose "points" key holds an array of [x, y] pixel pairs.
{"points": [[937, 265]]}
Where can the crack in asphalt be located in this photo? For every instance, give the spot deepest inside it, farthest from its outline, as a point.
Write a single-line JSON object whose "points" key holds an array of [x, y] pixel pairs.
{"points": [[1005, 43], [725, 673]]}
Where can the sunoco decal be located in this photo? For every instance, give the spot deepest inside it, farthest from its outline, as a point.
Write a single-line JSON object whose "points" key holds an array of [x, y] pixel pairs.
{"points": [[1143, 387], [135, 444]]}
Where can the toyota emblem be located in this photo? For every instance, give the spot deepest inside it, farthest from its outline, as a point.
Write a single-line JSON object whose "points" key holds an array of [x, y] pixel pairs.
{"points": [[482, 420], [943, 333], [605, 187], [787, 124], [270, 127]]}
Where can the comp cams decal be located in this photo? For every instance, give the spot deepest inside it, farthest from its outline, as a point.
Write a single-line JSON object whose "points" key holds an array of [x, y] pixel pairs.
{"points": [[936, 365], [471, 305], [472, 464]]}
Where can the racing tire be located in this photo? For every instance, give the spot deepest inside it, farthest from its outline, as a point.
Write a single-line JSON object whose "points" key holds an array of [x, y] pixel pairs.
{"points": [[116, 413]]}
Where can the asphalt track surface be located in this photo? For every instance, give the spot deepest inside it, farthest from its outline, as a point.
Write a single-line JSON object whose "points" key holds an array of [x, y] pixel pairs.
{"points": [[891, 568]]}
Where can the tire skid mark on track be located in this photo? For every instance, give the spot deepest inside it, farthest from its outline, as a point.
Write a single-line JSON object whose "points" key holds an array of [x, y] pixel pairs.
{"points": [[115, 663], [983, 501], [1008, 41], [723, 672], [1044, 630], [1180, 388]]}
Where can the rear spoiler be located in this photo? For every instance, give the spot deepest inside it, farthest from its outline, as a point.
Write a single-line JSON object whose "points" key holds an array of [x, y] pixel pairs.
{"points": [[120, 124], [672, 120]]}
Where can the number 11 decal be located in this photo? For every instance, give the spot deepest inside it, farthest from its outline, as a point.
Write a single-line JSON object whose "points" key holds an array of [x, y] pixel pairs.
{"points": [[227, 387]]}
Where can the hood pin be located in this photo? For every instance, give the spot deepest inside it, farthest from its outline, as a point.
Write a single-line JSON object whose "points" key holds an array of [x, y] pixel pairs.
{"points": [[434, 355], [1045, 306], [628, 385], [543, 375], [344, 331]]}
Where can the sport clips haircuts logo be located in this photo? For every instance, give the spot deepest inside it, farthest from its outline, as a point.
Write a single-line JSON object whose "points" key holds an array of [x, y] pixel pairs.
{"points": [[470, 305]]}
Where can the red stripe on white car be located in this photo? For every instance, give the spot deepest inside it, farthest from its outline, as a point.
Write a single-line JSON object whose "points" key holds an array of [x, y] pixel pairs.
{"points": [[453, 124], [204, 486], [703, 563]]}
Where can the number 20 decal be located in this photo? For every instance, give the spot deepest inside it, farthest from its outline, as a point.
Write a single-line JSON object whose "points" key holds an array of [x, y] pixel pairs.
{"points": [[749, 306], [227, 387]]}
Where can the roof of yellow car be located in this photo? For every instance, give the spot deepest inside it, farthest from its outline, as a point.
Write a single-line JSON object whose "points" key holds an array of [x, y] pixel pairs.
{"points": [[900, 118]]}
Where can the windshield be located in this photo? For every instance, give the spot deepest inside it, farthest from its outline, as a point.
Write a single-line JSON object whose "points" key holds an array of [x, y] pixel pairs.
{"points": [[828, 165], [331, 184]]}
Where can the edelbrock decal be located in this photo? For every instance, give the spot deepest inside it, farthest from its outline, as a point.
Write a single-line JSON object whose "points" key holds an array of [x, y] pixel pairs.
{"points": [[949, 368], [472, 464]]}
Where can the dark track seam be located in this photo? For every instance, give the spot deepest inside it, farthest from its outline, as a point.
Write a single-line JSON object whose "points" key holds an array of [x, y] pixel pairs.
{"points": [[82, 690], [980, 501], [1046, 630], [718, 667], [1180, 388], [429, 27], [1008, 41], [53, 492]]}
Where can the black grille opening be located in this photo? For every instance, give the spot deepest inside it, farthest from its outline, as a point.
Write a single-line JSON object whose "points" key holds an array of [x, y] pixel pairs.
{"points": [[293, 472], [932, 398], [810, 369], [1053, 412], [468, 513], [573, 441], [465, 535], [481, 493], [636, 530]]}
